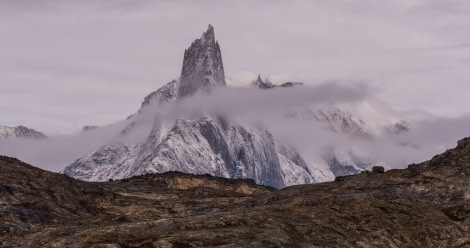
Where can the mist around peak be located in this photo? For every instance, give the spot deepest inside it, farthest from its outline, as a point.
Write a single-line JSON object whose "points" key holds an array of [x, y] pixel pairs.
{"points": [[311, 138]]}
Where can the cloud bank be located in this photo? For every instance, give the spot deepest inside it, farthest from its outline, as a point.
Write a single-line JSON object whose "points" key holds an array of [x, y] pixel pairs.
{"points": [[426, 137]]}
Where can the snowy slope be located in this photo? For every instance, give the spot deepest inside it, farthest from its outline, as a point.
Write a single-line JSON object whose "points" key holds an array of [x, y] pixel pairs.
{"points": [[211, 144], [20, 132]]}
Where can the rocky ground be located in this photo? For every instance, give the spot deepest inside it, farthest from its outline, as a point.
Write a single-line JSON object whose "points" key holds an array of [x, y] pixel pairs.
{"points": [[426, 205]]}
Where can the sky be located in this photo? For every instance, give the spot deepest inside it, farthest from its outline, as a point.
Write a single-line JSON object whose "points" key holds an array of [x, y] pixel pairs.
{"points": [[67, 64]]}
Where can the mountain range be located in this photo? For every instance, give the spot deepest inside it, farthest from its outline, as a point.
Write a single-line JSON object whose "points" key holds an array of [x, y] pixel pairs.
{"points": [[210, 142]]}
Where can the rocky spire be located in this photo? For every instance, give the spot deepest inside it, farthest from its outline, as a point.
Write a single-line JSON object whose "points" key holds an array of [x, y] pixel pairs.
{"points": [[202, 65], [258, 83]]}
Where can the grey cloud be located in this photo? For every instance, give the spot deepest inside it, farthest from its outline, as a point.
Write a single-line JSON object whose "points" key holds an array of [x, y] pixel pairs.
{"points": [[249, 103], [426, 138], [267, 107]]}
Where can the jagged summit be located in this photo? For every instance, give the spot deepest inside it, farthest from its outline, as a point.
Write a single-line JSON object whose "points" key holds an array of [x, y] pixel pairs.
{"points": [[202, 65], [267, 84], [202, 70], [209, 34], [258, 83]]}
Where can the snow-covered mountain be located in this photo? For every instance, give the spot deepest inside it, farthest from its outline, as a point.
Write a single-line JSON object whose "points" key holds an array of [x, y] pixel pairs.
{"points": [[363, 121], [20, 132], [205, 143], [218, 144]]}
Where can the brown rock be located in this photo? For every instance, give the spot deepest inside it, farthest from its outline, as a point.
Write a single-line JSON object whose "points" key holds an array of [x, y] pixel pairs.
{"points": [[424, 206], [378, 169]]}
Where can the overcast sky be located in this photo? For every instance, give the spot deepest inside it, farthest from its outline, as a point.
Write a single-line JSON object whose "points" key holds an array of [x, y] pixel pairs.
{"points": [[66, 64]]}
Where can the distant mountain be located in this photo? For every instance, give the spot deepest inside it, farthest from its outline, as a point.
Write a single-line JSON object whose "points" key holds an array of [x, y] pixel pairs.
{"points": [[89, 128], [266, 84], [20, 132]]}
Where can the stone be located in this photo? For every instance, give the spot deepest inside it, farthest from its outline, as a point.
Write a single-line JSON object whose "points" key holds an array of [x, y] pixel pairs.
{"points": [[378, 169]]}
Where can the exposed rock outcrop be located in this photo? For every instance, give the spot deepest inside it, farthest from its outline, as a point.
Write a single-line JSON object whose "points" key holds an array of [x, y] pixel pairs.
{"points": [[203, 68], [266, 84], [258, 83], [425, 205]]}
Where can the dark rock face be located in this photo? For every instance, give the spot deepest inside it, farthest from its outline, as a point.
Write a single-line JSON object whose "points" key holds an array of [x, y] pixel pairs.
{"points": [[209, 145], [30, 197], [378, 169], [463, 144], [260, 84], [202, 70], [202, 65], [398, 128], [426, 205], [24, 132], [244, 155], [167, 93], [89, 128]]}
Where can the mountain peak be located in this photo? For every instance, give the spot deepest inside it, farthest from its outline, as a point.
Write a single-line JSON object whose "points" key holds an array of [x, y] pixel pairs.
{"points": [[202, 65], [258, 83], [209, 34]]}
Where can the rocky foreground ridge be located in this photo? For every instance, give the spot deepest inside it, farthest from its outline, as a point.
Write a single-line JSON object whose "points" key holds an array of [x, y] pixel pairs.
{"points": [[425, 205]]}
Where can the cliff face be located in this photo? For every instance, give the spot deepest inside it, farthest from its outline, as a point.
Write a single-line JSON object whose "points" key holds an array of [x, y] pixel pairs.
{"points": [[425, 205], [208, 145], [203, 68]]}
